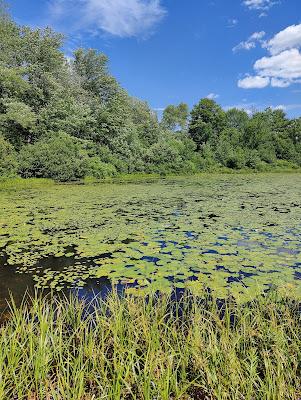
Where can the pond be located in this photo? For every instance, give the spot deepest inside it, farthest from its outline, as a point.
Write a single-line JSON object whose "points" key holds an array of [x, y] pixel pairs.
{"points": [[238, 234]]}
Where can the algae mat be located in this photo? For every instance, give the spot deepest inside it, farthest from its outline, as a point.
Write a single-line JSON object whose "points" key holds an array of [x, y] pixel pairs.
{"points": [[229, 233]]}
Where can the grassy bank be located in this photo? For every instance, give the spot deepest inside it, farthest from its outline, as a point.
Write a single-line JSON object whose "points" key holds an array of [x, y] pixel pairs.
{"points": [[130, 348], [27, 183]]}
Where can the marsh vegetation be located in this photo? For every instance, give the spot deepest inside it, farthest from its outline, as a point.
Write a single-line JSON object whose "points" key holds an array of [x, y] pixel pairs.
{"points": [[152, 348], [235, 234]]}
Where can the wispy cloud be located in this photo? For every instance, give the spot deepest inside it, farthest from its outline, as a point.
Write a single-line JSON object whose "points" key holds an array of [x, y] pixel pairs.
{"points": [[122, 18], [251, 42], [282, 66], [251, 108], [259, 4], [212, 96]]}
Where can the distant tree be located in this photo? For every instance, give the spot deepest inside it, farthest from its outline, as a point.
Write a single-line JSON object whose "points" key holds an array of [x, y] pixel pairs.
{"points": [[145, 121], [257, 132], [236, 119], [175, 117], [92, 67], [207, 122], [229, 151], [294, 130]]}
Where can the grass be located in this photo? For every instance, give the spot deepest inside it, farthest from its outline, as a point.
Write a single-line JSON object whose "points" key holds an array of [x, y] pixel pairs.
{"points": [[151, 348], [20, 183]]}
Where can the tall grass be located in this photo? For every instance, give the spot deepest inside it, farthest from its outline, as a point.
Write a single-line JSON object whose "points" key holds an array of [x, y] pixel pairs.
{"points": [[151, 348]]}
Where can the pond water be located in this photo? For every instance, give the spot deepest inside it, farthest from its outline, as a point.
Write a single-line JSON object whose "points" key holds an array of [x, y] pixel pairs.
{"points": [[238, 234]]}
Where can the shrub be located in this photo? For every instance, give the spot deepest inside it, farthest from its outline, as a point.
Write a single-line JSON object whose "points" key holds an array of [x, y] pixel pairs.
{"points": [[8, 161], [96, 168], [252, 159], [58, 157], [162, 157]]}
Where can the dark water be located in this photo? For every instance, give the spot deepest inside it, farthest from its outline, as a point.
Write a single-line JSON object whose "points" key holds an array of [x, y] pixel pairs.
{"points": [[16, 285]]}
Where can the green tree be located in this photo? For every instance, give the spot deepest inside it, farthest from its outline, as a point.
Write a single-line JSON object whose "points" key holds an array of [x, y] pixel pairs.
{"points": [[8, 159], [206, 123], [175, 117], [228, 149], [91, 67], [237, 119]]}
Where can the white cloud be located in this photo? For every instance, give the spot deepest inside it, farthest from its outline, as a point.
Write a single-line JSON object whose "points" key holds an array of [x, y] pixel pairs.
{"points": [[279, 107], [287, 107], [280, 83], [282, 66], [244, 46], [249, 108], [253, 82], [259, 4], [289, 38], [250, 43], [286, 65], [212, 96], [123, 18]]}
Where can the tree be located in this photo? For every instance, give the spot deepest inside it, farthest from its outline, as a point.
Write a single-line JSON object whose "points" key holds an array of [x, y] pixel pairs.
{"points": [[91, 67], [175, 117], [237, 119], [8, 158], [206, 123], [18, 122], [257, 132], [146, 122], [228, 149]]}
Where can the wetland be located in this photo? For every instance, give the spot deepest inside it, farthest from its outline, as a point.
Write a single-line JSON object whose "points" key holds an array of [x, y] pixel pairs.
{"points": [[237, 235]]}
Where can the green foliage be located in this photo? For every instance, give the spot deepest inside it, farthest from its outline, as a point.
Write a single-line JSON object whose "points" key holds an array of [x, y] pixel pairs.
{"points": [[8, 159], [98, 169], [207, 122], [236, 119], [58, 157], [175, 117], [151, 348], [42, 94], [91, 68]]}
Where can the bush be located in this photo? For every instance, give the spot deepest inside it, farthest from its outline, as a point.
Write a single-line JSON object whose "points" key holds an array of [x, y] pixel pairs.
{"points": [[162, 157], [95, 168], [58, 157], [252, 159], [8, 160]]}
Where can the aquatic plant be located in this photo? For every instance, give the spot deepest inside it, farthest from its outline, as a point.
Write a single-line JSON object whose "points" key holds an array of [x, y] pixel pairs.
{"points": [[237, 234], [151, 348]]}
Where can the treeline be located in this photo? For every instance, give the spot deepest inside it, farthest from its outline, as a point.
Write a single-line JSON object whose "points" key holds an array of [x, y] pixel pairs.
{"points": [[69, 118]]}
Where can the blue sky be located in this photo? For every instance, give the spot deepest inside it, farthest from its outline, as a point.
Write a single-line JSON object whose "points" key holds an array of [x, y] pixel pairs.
{"points": [[243, 53]]}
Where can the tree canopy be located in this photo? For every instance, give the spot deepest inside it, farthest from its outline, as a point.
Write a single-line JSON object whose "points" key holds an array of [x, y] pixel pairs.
{"points": [[68, 118]]}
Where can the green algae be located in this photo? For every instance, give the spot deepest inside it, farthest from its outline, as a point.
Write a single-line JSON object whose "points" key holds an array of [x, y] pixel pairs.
{"points": [[238, 234]]}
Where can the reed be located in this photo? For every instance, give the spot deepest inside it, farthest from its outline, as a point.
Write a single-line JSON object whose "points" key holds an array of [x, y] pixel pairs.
{"points": [[151, 348]]}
